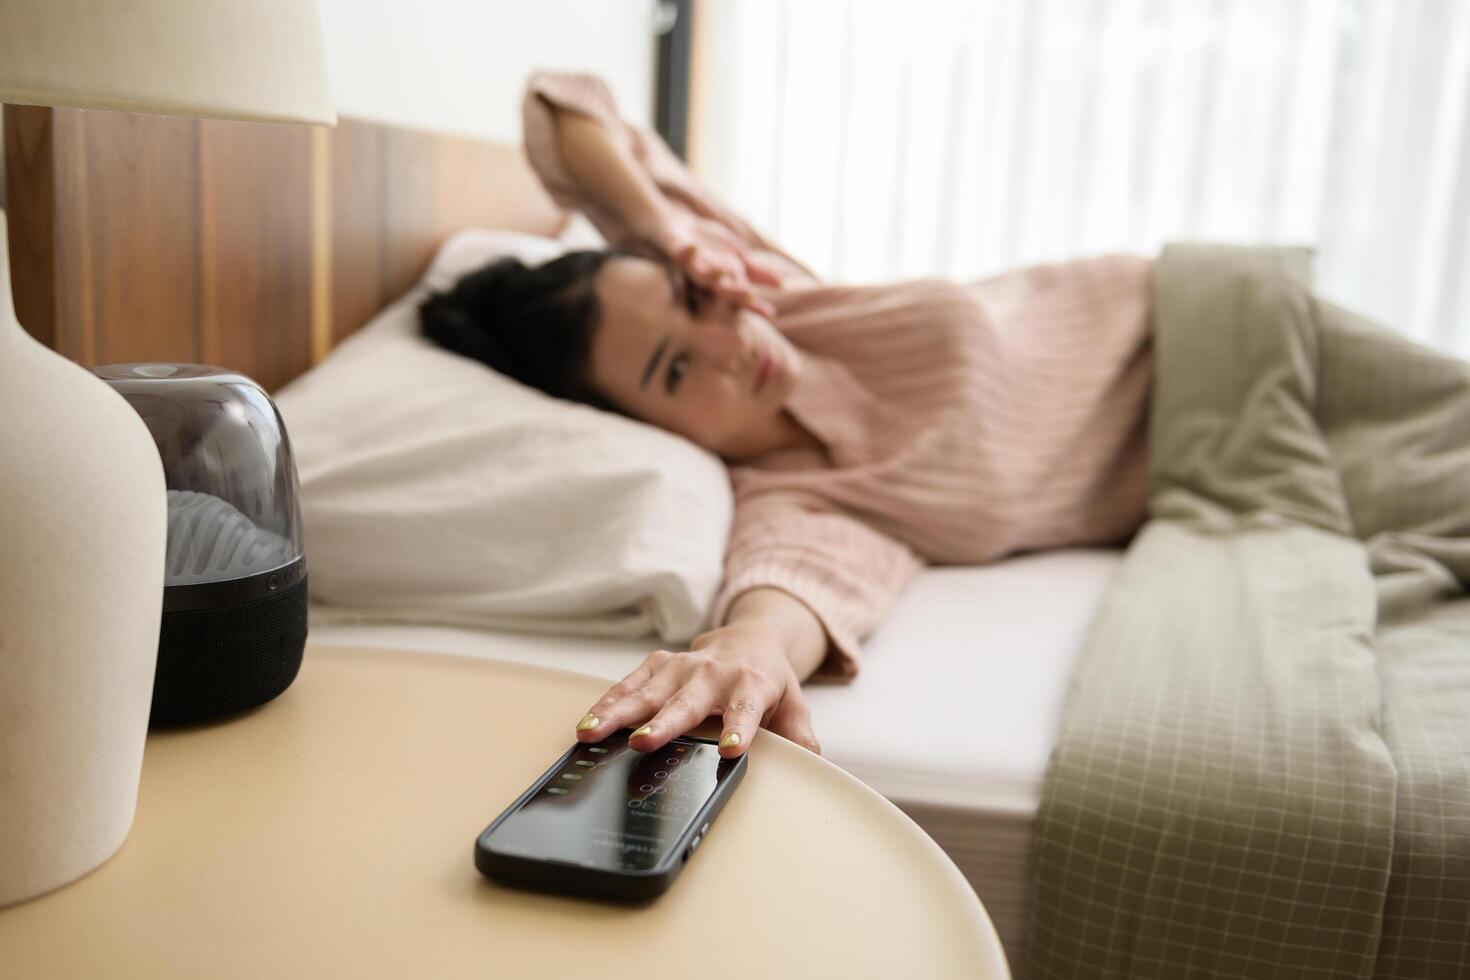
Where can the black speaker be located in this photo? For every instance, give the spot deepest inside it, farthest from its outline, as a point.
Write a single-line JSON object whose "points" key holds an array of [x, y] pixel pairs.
{"points": [[234, 598]]}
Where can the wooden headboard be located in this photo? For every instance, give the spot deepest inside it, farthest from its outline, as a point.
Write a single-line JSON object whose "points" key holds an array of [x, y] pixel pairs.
{"points": [[254, 247]]}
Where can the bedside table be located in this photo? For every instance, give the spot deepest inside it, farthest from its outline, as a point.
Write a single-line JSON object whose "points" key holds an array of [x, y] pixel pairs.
{"points": [[331, 833]]}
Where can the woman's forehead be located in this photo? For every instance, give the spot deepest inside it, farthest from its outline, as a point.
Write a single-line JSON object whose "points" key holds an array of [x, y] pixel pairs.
{"points": [[632, 282], [633, 296]]}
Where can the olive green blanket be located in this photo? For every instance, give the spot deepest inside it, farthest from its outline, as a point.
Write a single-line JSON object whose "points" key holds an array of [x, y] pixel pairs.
{"points": [[1263, 765]]}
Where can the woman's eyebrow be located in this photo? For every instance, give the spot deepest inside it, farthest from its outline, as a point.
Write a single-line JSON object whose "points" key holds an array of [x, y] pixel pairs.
{"points": [[658, 352]]}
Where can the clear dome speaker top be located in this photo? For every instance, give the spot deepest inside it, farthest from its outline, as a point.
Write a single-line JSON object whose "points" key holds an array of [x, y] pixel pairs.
{"points": [[233, 511]]}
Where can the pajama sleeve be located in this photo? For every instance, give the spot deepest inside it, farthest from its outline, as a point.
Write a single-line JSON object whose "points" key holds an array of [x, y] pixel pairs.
{"points": [[845, 572], [547, 92]]}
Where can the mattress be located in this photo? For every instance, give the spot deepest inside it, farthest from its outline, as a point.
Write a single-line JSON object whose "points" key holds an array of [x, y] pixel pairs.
{"points": [[952, 717]]}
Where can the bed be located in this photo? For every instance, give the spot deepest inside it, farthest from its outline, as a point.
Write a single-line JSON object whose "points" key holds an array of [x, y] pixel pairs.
{"points": [[287, 240]]}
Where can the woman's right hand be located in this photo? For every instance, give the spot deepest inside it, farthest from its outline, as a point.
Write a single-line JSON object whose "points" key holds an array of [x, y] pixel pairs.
{"points": [[739, 671]]}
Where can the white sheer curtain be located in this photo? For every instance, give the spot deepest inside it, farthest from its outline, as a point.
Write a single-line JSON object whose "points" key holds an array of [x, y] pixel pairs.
{"points": [[879, 140]]}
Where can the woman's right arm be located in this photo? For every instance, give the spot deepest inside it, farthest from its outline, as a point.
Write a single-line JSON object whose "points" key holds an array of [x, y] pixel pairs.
{"points": [[748, 671], [801, 588]]}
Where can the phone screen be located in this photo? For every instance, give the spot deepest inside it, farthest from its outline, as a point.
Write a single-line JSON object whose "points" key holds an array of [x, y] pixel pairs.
{"points": [[613, 807]]}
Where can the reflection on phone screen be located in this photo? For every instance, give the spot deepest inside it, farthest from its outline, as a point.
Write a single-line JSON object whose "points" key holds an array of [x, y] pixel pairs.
{"points": [[611, 806]]}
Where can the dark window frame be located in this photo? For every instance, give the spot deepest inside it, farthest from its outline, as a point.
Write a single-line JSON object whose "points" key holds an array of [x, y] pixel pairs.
{"points": [[671, 92]]}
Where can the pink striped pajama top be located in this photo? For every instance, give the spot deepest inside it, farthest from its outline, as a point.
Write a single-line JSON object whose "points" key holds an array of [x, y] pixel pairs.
{"points": [[960, 422]]}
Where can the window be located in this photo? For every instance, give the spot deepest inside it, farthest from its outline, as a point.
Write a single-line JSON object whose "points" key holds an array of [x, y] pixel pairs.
{"points": [[879, 140]]}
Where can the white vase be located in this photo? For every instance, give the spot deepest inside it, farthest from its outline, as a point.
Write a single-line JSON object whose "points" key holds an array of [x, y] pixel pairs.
{"points": [[82, 536]]}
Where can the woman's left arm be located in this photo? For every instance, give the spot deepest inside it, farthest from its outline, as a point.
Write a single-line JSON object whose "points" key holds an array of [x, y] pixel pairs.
{"points": [[634, 189], [603, 165]]}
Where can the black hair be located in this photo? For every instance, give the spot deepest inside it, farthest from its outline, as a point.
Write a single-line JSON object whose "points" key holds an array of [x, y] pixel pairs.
{"points": [[532, 323]]}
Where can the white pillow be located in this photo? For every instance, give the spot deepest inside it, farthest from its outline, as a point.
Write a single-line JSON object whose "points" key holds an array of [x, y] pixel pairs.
{"points": [[436, 490]]}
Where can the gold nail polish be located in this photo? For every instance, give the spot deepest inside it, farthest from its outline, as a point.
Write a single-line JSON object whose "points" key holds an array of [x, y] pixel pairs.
{"points": [[589, 720], [645, 730], [732, 739]]}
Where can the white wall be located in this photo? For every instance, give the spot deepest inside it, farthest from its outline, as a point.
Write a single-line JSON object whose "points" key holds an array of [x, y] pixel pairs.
{"points": [[459, 65]]}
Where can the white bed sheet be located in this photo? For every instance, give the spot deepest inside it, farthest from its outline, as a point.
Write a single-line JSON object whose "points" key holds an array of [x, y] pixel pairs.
{"points": [[952, 717]]}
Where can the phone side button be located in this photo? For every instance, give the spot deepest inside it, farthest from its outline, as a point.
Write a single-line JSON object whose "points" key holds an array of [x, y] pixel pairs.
{"points": [[695, 842], [705, 829]]}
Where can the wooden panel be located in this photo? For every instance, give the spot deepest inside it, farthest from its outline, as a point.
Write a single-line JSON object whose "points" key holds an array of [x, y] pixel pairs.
{"points": [[255, 247], [490, 185], [104, 218], [409, 196], [357, 225], [128, 213], [31, 219], [398, 193]]}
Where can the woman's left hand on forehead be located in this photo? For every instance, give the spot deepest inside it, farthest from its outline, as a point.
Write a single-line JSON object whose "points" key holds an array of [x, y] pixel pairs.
{"points": [[718, 261]]}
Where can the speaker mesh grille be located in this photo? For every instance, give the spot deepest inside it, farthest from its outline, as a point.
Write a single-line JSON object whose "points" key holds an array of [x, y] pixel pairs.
{"points": [[214, 662]]}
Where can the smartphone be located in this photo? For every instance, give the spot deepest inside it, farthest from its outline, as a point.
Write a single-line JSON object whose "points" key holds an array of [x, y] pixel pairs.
{"points": [[607, 821]]}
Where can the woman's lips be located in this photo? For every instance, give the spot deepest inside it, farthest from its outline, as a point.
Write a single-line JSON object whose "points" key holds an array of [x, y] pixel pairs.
{"points": [[763, 371]]}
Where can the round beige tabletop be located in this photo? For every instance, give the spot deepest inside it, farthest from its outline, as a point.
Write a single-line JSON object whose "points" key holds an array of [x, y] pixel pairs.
{"points": [[331, 833]]}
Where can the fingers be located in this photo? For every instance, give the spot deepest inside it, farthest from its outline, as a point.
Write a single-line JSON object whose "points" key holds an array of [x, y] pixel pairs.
{"points": [[730, 282], [632, 699], [753, 694], [737, 290], [747, 297], [725, 274], [670, 694], [759, 272], [708, 267], [793, 720], [666, 696], [741, 716], [687, 257], [684, 710], [752, 269]]}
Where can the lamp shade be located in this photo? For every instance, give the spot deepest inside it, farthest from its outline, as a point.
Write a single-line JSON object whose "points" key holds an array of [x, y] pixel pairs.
{"points": [[258, 60]]}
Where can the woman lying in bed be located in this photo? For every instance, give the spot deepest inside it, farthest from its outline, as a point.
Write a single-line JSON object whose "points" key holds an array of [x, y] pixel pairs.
{"points": [[868, 429]]}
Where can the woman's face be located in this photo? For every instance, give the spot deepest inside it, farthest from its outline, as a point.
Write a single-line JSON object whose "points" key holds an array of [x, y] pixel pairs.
{"points": [[685, 360]]}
